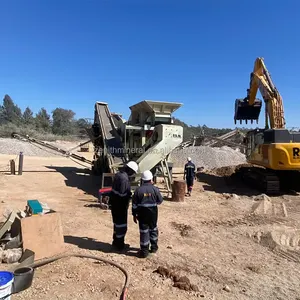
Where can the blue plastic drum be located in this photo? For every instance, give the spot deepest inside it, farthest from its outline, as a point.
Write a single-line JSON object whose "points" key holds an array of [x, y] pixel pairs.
{"points": [[6, 282]]}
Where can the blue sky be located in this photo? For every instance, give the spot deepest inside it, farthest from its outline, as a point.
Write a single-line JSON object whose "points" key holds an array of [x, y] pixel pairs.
{"points": [[71, 53]]}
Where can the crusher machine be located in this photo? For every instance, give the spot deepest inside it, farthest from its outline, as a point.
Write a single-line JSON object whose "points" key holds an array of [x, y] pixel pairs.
{"points": [[148, 138]]}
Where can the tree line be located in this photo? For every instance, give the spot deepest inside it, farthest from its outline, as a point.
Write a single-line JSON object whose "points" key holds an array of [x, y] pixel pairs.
{"points": [[61, 121]]}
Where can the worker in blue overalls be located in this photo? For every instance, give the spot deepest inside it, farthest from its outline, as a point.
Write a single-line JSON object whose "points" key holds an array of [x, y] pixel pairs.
{"points": [[189, 175], [144, 210], [119, 203]]}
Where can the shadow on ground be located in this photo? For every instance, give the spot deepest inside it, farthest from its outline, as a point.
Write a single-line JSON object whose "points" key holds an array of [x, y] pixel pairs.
{"points": [[92, 244], [240, 180], [220, 184], [79, 178], [234, 185]]}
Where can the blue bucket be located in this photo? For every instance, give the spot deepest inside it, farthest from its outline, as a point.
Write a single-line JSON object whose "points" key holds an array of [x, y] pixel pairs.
{"points": [[6, 282]]}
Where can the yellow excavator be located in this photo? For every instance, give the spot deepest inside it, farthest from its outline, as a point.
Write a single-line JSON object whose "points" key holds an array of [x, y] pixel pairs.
{"points": [[273, 151]]}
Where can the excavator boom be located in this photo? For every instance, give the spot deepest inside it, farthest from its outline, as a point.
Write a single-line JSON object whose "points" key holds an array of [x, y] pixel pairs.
{"points": [[249, 108]]}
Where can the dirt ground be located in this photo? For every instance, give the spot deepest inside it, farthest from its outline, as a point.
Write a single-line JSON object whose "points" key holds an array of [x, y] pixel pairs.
{"points": [[228, 243]]}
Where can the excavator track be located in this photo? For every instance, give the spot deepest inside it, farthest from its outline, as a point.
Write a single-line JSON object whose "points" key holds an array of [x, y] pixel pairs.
{"points": [[262, 179]]}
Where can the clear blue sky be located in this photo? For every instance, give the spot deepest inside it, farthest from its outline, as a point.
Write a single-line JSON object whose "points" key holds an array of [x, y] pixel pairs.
{"points": [[71, 53]]}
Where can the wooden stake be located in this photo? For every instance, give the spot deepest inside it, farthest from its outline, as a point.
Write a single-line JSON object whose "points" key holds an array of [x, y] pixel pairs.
{"points": [[12, 167]]}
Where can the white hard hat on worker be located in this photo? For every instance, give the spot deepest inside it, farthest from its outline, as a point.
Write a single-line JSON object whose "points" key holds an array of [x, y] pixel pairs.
{"points": [[147, 175], [189, 159], [133, 166]]}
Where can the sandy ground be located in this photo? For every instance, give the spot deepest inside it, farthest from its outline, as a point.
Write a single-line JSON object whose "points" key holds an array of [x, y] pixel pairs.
{"points": [[210, 238]]}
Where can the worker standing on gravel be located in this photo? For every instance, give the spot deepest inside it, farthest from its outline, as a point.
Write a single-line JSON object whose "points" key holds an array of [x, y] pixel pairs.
{"points": [[144, 210], [189, 175], [119, 201]]}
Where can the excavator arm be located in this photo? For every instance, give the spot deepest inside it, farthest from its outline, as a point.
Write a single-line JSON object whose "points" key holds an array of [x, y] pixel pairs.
{"points": [[249, 108], [273, 152]]}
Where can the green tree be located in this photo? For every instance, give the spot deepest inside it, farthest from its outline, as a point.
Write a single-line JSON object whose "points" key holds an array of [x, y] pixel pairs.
{"points": [[28, 117], [43, 121], [83, 123], [63, 121], [82, 126], [10, 112]]}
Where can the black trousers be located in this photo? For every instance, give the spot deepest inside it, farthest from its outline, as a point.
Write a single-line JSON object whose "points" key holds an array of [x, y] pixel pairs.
{"points": [[119, 211], [147, 217], [190, 183]]}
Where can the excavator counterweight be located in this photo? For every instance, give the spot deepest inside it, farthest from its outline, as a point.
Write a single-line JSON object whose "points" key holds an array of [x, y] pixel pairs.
{"points": [[246, 112]]}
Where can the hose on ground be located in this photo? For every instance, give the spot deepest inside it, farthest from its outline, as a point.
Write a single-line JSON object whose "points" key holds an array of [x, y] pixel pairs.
{"points": [[55, 258]]}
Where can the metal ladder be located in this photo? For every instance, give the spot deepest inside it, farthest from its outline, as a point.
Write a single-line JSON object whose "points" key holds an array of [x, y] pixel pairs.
{"points": [[167, 176]]}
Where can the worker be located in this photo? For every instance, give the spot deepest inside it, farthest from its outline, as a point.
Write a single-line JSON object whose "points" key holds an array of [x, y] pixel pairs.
{"points": [[119, 202], [189, 175], [144, 210]]}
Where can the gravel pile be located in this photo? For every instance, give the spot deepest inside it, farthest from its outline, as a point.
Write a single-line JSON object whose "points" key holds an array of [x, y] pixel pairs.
{"points": [[202, 156], [208, 157], [14, 147]]}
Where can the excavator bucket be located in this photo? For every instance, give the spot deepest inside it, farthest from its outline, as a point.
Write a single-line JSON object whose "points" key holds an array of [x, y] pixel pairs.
{"points": [[246, 112]]}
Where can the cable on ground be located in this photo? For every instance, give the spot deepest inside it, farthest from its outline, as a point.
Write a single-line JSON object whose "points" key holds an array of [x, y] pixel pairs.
{"points": [[38, 264]]}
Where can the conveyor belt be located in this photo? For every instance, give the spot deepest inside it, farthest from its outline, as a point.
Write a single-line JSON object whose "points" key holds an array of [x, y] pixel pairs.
{"points": [[49, 146], [114, 148]]}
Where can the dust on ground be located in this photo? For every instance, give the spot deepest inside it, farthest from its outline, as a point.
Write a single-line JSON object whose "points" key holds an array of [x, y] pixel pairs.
{"points": [[211, 239]]}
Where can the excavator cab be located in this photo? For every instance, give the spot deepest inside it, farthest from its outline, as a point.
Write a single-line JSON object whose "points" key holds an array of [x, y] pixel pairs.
{"points": [[246, 112]]}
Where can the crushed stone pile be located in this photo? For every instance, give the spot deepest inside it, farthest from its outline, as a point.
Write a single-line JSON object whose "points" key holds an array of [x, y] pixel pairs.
{"points": [[14, 147], [208, 157], [202, 156]]}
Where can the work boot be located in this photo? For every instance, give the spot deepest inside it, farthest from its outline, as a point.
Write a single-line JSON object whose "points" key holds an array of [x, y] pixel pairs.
{"points": [[153, 251], [125, 247], [120, 247], [143, 254]]}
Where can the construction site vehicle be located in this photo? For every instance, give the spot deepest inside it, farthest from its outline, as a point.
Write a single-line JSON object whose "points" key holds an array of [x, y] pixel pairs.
{"points": [[148, 137], [274, 150]]}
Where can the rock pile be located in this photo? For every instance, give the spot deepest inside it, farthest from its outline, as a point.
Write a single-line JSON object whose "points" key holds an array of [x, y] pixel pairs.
{"points": [[208, 157], [14, 147], [202, 156]]}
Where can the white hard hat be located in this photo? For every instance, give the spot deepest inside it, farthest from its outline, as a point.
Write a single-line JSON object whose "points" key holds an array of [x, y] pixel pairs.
{"points": [[133, 166], [147, 175], [189, 159]]}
